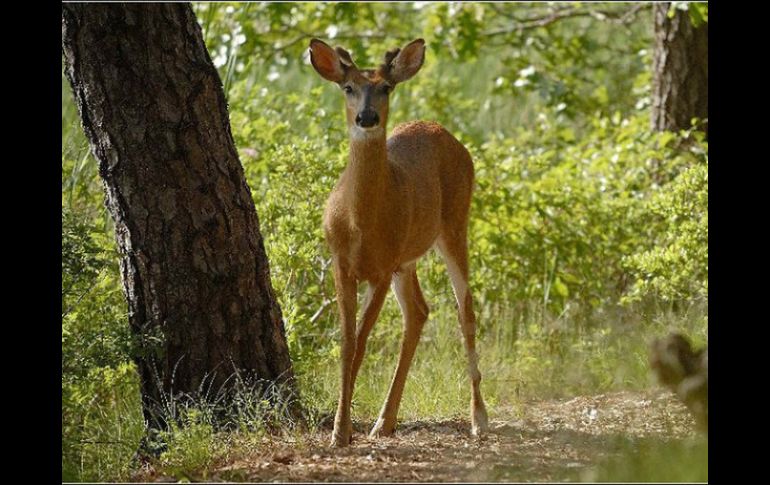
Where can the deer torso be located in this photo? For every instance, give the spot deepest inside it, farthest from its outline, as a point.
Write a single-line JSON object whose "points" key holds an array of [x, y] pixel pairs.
{"points": [[392, 201]]}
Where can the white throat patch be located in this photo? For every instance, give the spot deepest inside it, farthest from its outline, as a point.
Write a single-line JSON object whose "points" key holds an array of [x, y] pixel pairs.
{"points": [[358, 133]]}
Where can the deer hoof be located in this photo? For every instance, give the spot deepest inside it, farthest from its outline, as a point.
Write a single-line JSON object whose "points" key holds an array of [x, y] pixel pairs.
{"points": [[341, 439], [479, 423], [380, 430]]}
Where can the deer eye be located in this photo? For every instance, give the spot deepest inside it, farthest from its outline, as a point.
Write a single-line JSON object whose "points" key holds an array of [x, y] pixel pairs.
{"points": [[348, 89]]}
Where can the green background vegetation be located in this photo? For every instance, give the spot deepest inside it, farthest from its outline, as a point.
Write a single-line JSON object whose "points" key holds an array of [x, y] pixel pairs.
{"points": [[588, 237]]}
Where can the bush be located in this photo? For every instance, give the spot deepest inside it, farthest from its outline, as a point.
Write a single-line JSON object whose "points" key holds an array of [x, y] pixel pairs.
{"points": [[554, 220], [101, 415], [676, 268]]}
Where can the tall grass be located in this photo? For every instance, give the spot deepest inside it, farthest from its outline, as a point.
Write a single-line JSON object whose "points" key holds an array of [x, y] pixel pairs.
{"points": [[100, 443], [536, 363]]}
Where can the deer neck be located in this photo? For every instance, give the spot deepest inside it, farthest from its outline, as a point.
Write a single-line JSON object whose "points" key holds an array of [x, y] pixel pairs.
{"points": [[366, 179]]}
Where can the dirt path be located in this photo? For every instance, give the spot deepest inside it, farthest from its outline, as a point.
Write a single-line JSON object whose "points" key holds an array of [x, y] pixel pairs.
{"points": [[556, 440]]}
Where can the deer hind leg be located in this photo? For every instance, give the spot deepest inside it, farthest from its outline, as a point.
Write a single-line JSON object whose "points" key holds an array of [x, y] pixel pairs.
{"points": [[455, 253], [415, 311], [375, 296]]}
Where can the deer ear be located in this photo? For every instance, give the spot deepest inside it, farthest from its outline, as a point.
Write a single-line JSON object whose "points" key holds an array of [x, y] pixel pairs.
{"points": [[326, 61], [407, 61], [345, 58]]}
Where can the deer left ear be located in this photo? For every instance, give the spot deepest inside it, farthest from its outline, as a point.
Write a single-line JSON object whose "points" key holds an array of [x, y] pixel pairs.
{"points": [[406, 62]]}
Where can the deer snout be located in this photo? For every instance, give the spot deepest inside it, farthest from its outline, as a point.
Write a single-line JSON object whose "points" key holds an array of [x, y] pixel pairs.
{"points": [[367, 118]]}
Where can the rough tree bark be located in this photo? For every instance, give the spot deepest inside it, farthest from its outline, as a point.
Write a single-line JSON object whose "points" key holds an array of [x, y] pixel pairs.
{"points": [[680, 71], [194, 270]]}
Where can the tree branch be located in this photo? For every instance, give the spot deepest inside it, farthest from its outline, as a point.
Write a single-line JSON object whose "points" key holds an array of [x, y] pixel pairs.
{"points": [[542, 21], [320, 311]]}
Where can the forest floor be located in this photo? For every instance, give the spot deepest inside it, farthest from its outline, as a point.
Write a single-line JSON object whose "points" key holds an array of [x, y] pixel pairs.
{"points": [[546, 440]]}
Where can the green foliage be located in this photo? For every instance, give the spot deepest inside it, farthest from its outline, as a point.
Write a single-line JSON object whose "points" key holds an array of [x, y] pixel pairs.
{"points": [[102, 424], [558, 216], [697, 11], [81, 263], [94, 333], [655, 461], [587, 229], [192, 445], [516, 56], [290, 176], [101, 418], [676, 268]]}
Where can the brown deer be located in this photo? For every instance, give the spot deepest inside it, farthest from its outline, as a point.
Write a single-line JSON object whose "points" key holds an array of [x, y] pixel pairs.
{"points": [[395, 200]]}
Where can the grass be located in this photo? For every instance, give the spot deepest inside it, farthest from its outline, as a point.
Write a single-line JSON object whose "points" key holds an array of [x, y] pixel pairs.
{"points": [[534, 366], [537, 364], [192, 447], [103, 443], [655, 461]]}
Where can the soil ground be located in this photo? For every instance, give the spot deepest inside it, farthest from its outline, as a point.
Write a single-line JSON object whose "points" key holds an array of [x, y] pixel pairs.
{"points": [[551, 440]]}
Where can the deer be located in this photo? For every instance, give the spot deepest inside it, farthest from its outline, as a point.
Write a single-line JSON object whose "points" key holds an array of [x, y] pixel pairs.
{"points": [[397, 198]]}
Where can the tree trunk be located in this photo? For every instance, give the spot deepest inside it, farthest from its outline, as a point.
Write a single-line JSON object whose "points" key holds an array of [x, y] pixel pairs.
{"points": [[680, 70], [194, 270]]}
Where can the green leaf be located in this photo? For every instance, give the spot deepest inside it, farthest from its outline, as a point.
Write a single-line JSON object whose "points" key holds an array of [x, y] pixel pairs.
{"points": [[559, 288], [698, 13]]}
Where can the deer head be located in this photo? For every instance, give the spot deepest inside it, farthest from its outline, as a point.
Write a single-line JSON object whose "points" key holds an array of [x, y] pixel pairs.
{"points": [[367, 91]]}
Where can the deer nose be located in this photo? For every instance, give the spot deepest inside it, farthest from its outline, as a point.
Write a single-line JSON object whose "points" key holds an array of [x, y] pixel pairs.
{"points": [[367, 118]]}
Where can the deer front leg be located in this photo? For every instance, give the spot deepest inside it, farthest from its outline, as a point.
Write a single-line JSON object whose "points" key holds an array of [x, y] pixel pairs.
{"points": [[346, 300], [375, 296]]}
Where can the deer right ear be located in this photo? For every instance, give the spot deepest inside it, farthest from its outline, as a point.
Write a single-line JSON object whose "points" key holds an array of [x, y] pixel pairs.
{"points": [[326, 61]]}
